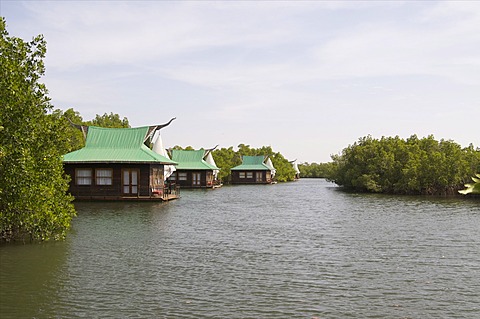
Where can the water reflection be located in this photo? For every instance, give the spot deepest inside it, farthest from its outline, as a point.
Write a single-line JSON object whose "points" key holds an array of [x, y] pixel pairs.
{"points": [[296, 250], [28, 279]]}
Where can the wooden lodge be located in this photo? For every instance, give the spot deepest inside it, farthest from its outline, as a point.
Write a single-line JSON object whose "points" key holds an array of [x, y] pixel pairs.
{"points": [[253, 170], [195, 169], [115, 164]]}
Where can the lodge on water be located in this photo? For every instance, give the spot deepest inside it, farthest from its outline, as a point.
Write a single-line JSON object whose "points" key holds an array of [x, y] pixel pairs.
{"points": [[253, 170], [195, 169], [115, 164]]}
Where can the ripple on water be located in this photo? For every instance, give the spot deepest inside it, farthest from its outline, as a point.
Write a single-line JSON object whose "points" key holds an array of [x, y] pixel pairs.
{"points": [[295, 250]]}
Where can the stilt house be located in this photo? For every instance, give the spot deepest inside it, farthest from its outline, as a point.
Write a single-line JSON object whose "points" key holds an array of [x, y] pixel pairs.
{"points": [[115, 164], [195, 169], [253, 170]]}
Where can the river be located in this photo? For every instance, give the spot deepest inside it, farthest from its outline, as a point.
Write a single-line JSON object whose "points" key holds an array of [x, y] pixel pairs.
{"points": [[292, 250]]}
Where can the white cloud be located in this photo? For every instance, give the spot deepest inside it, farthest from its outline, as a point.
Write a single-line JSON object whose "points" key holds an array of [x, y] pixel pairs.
{"points": [[103, 32], [332, 70], [391, 49]]}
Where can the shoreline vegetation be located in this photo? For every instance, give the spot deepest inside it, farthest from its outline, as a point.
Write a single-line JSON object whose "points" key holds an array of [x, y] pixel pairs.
{"points": [[392, 165], [34, 200]]}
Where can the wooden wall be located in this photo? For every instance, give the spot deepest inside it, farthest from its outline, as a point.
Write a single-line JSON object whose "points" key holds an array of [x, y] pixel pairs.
{"points": [[188, 183], [266, 177], [115, 190]]}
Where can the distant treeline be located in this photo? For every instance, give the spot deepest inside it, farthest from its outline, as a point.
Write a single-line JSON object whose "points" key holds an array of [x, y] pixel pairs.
{"points": [[226, 158], [316, 170], [398, 166]]}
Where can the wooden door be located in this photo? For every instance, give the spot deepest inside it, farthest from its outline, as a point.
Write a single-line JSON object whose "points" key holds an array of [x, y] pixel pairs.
{"points": [[130, 179], [196, 179]]}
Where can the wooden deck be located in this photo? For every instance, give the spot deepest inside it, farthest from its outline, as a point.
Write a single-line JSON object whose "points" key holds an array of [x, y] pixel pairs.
{"points": [[167, 195], [165, 198]]}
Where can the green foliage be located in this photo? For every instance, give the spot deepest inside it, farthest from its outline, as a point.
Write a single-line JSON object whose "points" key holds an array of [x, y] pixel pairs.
{"points": [[109, 120], [285, 170], [226, 158], [412, 166], [188, 148], [316, 170], [472, 188], [75, 138], [34, 203]]}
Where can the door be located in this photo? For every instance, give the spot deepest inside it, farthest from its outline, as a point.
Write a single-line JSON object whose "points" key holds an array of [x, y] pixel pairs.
{"points": [[196, 179], [259, 177], [130, 179]]}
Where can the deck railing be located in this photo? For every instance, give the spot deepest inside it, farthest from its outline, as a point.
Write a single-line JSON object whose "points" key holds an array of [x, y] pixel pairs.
{"points": [[171, 191]]}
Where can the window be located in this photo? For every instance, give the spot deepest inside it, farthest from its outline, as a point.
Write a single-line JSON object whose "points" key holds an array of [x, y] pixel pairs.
{"points": [[249, 174], [241, 175], [182, 176], [103, 176], [83, 176]]}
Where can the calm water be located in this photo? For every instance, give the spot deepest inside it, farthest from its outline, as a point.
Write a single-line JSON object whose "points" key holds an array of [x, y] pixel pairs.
{"points": [[295, 250]]}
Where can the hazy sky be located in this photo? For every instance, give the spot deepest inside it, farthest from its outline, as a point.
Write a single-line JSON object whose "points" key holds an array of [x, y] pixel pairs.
{"points": [[307, 78]]}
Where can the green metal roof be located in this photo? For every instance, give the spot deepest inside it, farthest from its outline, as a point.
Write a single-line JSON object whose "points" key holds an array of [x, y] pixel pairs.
{"points": [[252, 163], [192, 160], [116, 145]]}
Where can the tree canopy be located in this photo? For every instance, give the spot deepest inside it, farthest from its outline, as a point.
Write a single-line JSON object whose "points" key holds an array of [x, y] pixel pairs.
{"points": [[316, 170], [109, 120], [75, 137], [411, 166], [34, 203]]}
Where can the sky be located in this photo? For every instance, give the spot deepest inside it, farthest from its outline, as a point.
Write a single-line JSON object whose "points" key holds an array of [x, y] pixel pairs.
{"points": [[307, 78]]}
